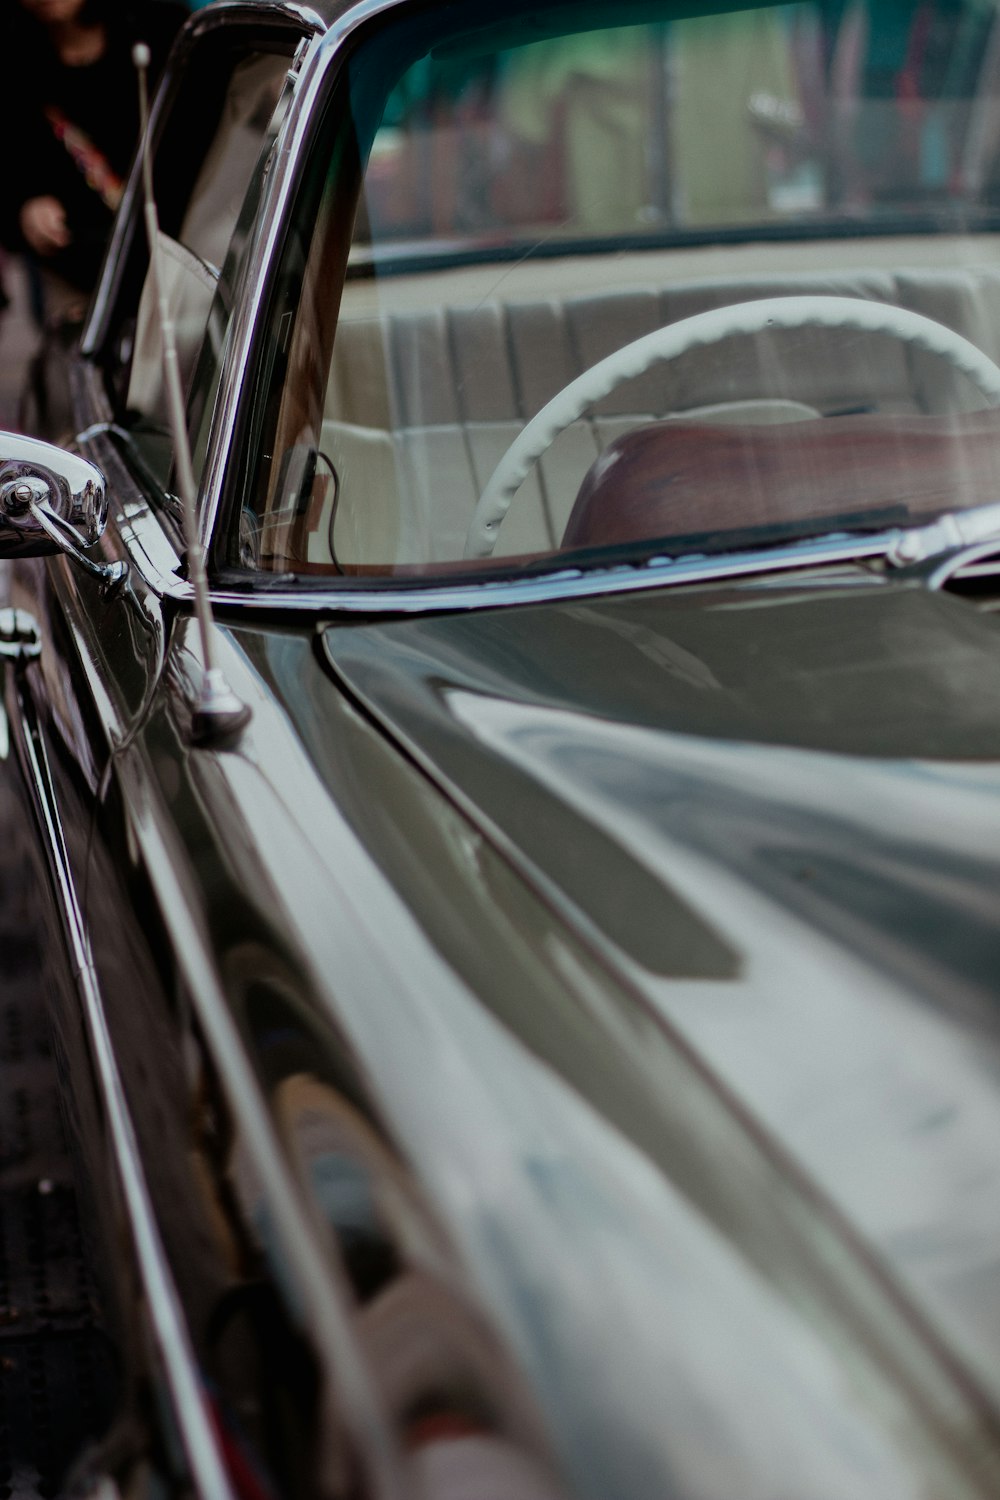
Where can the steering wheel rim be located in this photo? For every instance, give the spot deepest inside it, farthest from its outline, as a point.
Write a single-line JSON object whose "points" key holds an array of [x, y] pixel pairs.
{"points": [[699, 330]]}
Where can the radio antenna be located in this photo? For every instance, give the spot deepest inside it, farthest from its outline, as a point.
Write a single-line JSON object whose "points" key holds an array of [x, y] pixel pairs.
{"points": [[218, 712]]}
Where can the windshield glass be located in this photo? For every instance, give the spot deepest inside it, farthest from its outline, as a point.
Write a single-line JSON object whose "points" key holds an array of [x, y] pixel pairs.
{"points": [[603, 280]]}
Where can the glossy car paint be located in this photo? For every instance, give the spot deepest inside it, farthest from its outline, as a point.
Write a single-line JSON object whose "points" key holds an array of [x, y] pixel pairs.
{"points": [[411, 907], [576, 986]]}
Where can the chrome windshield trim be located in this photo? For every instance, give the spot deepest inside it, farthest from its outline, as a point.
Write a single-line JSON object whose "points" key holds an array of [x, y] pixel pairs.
{"points": [[566, 583]]}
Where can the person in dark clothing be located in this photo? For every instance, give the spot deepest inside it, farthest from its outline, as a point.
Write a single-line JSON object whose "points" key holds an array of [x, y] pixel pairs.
{"points": [[75, 123]]}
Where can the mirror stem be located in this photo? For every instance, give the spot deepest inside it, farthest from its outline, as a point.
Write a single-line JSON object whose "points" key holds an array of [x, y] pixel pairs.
{"points": [[69, 541]]}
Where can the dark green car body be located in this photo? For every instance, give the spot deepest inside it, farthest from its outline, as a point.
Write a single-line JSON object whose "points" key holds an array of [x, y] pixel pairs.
{"points": [[552, 1047]]}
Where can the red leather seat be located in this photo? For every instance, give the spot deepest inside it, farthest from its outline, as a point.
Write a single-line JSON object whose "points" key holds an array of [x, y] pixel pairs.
{"points": [[674, 479]]}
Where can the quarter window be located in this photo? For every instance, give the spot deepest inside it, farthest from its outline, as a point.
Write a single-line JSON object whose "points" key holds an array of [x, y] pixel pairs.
{"points": [[208, 168]]}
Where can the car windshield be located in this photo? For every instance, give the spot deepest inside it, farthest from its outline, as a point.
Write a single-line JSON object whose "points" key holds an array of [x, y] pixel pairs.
{"points": [[603, 280]]}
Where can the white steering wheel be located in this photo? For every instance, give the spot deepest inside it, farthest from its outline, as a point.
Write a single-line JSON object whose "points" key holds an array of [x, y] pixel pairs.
{"points": [[701, 329]]}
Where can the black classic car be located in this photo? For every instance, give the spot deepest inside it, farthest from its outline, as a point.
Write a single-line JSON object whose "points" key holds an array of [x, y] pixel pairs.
{"points": [[517, 810]]}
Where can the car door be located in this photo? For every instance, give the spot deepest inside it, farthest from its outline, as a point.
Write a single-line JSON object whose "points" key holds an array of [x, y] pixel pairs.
{"points": [[192, 1322]]}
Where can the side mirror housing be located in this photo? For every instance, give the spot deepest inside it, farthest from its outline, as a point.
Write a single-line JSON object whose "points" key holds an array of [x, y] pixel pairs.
{"points": [[50, 500]]}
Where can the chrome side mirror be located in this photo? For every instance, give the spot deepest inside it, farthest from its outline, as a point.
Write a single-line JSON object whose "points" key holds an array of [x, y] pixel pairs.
{"points": [[51, 501]]}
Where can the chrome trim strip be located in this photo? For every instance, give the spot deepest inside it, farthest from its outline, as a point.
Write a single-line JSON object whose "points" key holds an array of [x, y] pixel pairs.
{"points": [[179, 1365], [553, 587]]}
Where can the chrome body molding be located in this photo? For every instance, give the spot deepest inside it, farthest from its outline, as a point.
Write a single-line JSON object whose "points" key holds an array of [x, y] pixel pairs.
{"points": [[168, 1326]]}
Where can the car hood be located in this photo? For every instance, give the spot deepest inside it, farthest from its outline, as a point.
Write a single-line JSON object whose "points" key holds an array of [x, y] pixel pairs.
{"points": [[772, 818]]}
